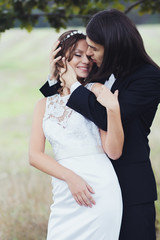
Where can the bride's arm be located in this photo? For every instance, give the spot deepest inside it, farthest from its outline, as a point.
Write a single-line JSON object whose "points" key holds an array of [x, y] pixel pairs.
{"points": [[80, 190], [113, 139]]}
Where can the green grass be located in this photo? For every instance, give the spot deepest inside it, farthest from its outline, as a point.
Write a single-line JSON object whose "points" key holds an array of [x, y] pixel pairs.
{"points": [[25, 192]]}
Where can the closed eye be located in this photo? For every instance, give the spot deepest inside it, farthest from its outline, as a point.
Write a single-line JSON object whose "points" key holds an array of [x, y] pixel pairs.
{"points": [[77, 55], [93, 48]]}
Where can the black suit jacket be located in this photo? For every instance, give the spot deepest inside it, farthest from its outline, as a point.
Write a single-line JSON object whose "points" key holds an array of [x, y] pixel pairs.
{"points": [[47, 91], [139, 96]]}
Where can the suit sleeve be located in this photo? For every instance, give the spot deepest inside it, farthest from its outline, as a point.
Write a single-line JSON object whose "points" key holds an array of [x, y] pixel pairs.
{"points": [[47, 90], [84, 101], [136, 98]]}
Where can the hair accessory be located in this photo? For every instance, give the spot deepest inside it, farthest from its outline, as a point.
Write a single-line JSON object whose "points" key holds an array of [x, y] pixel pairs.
{"points": [[71, 34]]}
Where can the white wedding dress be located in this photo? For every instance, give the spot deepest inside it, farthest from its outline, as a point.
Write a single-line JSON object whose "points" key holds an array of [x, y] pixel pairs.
{"points": [[76, 145]]}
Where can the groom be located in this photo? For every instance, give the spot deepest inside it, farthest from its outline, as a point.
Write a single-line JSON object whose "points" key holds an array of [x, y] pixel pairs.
{"points": [[116, 47]]}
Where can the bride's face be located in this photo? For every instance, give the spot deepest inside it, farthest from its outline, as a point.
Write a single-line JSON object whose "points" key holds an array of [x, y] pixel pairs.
{"points": [[80, 62]]}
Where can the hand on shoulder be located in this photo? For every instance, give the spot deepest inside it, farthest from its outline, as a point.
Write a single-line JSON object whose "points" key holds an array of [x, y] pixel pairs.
{"points": [[105, 97], [96, 88]]}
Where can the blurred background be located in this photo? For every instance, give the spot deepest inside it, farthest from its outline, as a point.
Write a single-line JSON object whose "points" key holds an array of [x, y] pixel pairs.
{"points": [[25, 193]]}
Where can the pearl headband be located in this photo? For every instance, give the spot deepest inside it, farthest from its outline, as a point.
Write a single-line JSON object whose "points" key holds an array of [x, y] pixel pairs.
{"points": [[71, 34]]}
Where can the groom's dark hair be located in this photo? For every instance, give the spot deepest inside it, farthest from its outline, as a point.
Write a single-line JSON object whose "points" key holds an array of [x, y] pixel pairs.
{"points": [[123, 45]]}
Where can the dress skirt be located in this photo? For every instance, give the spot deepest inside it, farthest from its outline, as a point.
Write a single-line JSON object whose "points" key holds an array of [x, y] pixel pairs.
{"points": [[70, 221]]}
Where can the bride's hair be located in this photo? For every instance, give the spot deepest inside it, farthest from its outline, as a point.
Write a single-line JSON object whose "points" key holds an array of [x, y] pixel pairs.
{"points": [[68, 44]]}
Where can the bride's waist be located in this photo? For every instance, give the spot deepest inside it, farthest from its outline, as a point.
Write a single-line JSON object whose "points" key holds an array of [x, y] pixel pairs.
{"points": [[78, 151]]}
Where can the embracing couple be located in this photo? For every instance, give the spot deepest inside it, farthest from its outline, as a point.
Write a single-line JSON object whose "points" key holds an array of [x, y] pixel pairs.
{"points": [[101, 98]]}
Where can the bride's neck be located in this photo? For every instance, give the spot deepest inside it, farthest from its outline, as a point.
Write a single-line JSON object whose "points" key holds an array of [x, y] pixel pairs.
{"points": [[65, 91]]}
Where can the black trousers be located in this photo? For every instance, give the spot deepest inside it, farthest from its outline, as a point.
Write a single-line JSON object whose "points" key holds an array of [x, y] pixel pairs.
{"points": [[138, 222]]}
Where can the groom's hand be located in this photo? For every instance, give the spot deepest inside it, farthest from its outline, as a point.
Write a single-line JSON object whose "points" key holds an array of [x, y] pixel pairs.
{"points": [[54, 60], [67, 74]]}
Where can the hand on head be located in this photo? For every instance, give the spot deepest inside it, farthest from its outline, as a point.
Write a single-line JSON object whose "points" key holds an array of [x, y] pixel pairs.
{"points": [[67, 74], [54, 60]]}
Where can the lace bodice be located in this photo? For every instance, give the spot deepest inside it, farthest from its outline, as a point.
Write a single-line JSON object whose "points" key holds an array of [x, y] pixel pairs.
{"points": [[68, 131]]}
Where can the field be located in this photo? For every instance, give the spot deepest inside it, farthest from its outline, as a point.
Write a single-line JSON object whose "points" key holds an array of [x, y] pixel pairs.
{"points": [[25, 193]]}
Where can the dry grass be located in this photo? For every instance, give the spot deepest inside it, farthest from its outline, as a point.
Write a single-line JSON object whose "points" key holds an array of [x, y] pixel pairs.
{"points": [[24, 207], [25, 193]]}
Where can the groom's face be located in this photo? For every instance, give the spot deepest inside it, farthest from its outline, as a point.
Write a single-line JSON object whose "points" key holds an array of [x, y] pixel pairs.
{"points": [[95, 51]]}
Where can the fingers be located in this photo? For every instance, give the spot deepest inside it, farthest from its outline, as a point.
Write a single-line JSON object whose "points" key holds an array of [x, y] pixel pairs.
{"points": [[90, 189], [61, 71], [54, 52], [90, 200], [64, 62], [55, 45], [104, 89], [99, 98], [62, 82], [55, 60], [116, 93], [85, 198], [89, 196], [78, 201], [82, 200]]}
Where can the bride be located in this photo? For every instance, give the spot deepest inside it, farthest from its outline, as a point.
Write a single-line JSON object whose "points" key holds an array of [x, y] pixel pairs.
{"points": [[87, 202]]}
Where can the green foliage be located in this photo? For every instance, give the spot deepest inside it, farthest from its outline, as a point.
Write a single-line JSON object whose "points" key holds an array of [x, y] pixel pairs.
{"points": [[59, 12], [150, 6]]}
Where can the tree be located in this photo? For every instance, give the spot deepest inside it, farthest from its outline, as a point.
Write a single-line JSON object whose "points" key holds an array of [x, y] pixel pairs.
{"points": [[58, 12]]}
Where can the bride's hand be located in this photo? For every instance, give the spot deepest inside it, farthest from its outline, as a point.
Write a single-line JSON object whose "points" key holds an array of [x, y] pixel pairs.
{"points": [[108, 99], [81, 190], [53, 60]]}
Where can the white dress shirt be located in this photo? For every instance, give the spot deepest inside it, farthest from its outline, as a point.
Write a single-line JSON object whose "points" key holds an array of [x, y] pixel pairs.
{"points": [[108, 83]]}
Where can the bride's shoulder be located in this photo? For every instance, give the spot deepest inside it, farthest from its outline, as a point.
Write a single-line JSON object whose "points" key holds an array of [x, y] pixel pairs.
{"points": [[40, 106], [41, 102]]}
